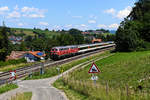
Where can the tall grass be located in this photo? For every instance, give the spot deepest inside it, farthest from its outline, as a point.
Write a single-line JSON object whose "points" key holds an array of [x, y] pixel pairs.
{"points": [[22, 96], [13, 67], [103, 92], [12, 62]]}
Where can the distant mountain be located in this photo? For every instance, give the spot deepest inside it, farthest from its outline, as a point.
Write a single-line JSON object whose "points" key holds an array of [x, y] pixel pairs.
{"points": [[113, 31]]}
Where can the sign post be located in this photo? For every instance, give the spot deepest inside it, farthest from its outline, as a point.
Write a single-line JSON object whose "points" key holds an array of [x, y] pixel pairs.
{"points": [[94, 69], [58, 69], [42, 68]]}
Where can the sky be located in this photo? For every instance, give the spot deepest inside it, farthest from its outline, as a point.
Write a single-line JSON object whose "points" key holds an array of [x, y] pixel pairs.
{"points": [[64, 14]]}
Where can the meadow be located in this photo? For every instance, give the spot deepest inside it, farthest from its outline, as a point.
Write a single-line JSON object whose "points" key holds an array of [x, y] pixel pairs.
{"points": [[124, 76]]}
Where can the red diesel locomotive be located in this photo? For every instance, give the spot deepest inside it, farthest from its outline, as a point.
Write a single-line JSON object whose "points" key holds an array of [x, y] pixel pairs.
{"points": [[63, 51]]}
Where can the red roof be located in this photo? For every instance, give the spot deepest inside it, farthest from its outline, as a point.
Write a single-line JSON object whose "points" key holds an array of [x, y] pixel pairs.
{"points": [[35, 53]]}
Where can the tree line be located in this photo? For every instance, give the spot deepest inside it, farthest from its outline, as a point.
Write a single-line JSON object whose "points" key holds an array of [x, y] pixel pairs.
{"points": [[133, 33], [43, 40]]}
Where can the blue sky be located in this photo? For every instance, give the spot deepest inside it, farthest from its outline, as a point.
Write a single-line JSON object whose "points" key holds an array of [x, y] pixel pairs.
{"points": [[64, 14]]}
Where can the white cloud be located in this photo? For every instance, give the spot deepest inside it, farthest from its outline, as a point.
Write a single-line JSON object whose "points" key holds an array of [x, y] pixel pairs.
{"points": [[124, 13], [43, 23], [28, 9], [32, 12], [68, 26], [113, 26], [93, 16], [82, 27], [14, 14], [57, 27], [101, 26], [91, 21], [20, 24], [16, 7], [77, 16], [119, 14], [34, 15], [110, 11], [3, 10]]}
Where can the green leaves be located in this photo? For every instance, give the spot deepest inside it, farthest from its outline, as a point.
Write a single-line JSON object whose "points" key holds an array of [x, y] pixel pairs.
{"points": [[4, 43], [134, 32]]}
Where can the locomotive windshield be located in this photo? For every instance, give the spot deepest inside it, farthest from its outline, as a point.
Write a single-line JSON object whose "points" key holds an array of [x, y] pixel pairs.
{"points": [[54, 49]]}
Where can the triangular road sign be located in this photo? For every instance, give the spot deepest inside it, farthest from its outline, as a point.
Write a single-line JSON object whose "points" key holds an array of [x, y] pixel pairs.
{"points": [[94, 69]]}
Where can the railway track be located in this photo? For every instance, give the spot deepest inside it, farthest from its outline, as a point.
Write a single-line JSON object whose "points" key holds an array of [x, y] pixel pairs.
{"points": [[24, 71]]}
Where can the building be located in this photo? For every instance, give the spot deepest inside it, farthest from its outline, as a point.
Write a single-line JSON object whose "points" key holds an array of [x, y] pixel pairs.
{"points": [[96, 40], [84, 33], [16, 55], [15, 40], [30, 56], [33, 56]]}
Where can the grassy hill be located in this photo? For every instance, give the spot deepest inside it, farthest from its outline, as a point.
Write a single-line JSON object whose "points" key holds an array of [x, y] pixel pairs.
{"points": [[33, 32], [124, 76]]}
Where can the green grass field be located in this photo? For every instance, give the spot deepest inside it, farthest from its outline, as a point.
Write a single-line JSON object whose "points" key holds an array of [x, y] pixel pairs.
{"points": [[123, 76], [49, 34]]}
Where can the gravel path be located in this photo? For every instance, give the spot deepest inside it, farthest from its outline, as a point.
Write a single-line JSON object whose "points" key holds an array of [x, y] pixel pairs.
{"points": [[42, 89]]}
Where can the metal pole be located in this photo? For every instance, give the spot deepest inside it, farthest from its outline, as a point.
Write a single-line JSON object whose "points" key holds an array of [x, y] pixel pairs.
{"points": [[94, 80], [42, 68]]}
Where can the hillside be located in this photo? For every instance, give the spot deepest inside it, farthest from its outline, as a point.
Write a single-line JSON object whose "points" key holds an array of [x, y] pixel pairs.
{"points": [[32, 32], [125, 75]]}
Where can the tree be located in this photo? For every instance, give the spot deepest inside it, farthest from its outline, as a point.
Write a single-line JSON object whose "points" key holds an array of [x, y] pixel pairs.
{"points": [[4, 43], [127, 36], [79, 38], [46, 29], [134, 31], [74, 31]]}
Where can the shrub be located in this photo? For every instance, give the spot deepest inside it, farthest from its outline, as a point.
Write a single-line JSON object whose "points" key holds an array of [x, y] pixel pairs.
{"points": [[12, 62]]}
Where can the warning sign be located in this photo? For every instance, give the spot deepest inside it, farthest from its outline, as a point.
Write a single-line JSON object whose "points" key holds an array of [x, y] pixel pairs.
{"points": [[94, 69], [13, 74]]}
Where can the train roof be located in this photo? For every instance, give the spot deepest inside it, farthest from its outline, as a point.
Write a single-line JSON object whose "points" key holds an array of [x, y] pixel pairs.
{"points": [[66, 46]]}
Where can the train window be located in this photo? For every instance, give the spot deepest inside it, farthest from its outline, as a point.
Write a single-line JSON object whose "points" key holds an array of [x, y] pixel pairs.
{"points": [[53, 49]]}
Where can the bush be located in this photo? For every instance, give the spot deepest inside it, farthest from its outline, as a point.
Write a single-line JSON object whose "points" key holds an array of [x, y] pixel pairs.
{"points": [[12, 62]]}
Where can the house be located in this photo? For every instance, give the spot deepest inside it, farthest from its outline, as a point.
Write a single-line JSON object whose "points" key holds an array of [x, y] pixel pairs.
{"points": [[15, 40], [96, 40], [32, 56], [84, 33]]}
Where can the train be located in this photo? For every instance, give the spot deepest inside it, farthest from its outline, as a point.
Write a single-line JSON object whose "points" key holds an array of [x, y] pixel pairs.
{"points": [[60, 52]]}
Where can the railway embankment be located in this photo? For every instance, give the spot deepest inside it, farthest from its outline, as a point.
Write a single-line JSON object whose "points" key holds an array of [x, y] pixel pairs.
{"points": [[58, 69], [124, 76]]}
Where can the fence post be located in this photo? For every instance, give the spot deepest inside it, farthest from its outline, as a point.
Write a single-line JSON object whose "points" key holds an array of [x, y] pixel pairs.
{"points": [[107, 88], [127, 91]]}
